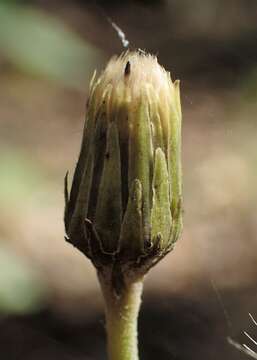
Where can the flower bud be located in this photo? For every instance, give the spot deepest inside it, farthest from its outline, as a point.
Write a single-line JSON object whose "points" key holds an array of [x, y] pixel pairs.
{"points": [[124, 208]]}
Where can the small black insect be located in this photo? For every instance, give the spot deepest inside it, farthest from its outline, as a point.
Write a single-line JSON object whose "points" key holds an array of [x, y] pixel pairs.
{"points": [[127, 69]]}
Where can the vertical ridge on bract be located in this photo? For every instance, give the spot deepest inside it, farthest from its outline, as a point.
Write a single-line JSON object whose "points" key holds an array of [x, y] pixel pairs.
{"points": [[81, 165], [177, 97], [123, 127], [174, 155], [84, 149], [109, 203], [131, 236], [99, 147], [161, 219], [66, 200], [140, 157], [80, 211]]}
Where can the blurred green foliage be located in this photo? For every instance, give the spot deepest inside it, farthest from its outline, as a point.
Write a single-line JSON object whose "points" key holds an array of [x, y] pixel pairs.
{"points": [[21, 290], [19, 177], [36, 42]]}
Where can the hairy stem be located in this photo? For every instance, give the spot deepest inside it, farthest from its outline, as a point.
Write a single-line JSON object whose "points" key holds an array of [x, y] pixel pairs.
{"points": [[121, 314]]}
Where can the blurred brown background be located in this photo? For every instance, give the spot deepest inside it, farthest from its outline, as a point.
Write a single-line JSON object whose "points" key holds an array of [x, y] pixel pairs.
{"points": [[201, 293]]}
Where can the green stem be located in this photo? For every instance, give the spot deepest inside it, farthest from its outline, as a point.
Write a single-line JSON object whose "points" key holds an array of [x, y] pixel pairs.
{"points": [[121, 314]]}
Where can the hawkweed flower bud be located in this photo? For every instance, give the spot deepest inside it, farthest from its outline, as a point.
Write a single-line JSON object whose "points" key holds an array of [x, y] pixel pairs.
{"points": [[124, 208]]}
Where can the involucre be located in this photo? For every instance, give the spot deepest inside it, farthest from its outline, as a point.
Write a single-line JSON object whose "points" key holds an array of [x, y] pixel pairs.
{"points": [[124, 208]]}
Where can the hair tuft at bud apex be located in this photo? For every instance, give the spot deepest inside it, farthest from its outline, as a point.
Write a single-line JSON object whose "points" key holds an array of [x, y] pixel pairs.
{"points": [[124, 208]]}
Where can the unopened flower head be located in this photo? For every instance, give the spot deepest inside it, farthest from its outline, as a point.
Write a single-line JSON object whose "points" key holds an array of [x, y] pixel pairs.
{"points": [[124, 209]]}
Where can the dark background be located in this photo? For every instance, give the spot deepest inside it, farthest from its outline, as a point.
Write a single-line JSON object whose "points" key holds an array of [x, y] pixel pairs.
{"points": [[201, 293]]}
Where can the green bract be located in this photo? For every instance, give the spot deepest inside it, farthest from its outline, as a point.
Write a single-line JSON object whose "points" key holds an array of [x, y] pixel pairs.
{"points": [[124, 208]]}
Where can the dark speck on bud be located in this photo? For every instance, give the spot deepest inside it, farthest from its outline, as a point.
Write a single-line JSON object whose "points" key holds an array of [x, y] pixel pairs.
{"points": [[124, 207], [127, 69]]}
